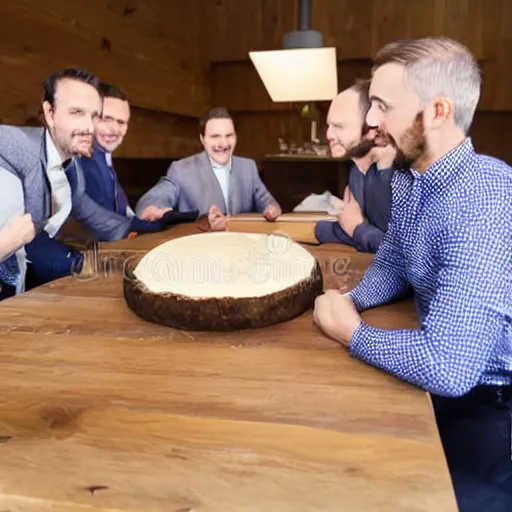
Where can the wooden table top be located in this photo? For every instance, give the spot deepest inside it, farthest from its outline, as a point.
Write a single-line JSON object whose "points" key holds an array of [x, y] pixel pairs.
{"points": [[101, 411]]}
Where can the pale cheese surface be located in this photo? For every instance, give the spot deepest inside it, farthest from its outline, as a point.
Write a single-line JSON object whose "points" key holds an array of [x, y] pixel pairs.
{"points": [[225, 264]]}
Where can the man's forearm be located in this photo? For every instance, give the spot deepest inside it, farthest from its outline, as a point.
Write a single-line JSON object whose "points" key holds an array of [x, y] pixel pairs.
{"points": [[367, 238], [379, 286], [9, 243]]}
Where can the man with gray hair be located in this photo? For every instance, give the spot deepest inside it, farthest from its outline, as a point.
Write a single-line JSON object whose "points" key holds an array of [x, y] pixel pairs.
{"points": [[449, 237]]}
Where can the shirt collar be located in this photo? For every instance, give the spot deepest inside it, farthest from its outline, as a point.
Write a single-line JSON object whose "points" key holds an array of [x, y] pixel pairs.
{"points": [[53, 157], [216, 165], [445, 167]]}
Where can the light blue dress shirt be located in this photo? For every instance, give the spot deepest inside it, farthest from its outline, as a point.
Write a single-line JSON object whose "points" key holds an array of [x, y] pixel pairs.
{"points": [[223, 173]]}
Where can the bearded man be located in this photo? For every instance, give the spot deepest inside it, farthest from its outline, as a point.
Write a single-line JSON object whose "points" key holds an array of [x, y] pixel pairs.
{"points": [[449, 237]]}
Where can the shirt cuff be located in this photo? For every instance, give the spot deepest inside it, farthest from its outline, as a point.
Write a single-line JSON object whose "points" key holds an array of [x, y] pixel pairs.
{"points": [[359, 338], [357, 299]]}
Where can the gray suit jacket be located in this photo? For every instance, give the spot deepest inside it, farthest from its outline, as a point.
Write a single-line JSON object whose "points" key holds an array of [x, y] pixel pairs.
{"points": [[191, 184], [23, 152]]}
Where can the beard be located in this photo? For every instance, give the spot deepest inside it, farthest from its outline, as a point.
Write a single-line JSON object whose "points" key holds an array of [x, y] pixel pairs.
{"points": [[80, 143], [361, 149], [415, 144], [84, 147]]}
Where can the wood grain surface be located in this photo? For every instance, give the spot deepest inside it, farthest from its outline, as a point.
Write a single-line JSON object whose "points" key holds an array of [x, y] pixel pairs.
{"points": [[101, 411]]}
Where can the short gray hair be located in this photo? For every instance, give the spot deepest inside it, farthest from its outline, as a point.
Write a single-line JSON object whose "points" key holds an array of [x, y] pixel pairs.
{"points": [[438, 66]]}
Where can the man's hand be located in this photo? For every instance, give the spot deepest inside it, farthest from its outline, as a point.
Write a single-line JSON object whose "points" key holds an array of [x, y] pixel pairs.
{"points": [[152, 213], [272, 211], [337, 316], [216, 219], [350, 215], [18, 232], [23, 228]]}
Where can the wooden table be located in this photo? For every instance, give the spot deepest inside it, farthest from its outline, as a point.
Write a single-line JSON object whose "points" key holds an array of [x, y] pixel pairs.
{"points": [[101, 411]]}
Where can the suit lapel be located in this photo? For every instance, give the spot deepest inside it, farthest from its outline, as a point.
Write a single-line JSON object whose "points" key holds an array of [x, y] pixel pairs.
{"points": [[234, 186], [47, 192], [105, 175], [212, 189]]}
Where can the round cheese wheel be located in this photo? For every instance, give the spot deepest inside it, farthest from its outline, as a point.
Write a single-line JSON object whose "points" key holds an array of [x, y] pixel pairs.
{"points": [[223, 281]]}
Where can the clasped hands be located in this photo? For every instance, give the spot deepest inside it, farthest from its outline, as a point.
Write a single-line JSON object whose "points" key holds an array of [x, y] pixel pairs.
{"points": [[336, 315]]}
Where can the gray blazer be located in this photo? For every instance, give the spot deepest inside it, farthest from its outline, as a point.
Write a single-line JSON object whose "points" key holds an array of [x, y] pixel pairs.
{"points": [[191, 184], [23, 152]]}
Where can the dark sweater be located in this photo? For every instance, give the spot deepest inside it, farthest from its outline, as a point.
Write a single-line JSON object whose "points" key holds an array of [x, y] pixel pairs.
{"points": [[372, 191]]}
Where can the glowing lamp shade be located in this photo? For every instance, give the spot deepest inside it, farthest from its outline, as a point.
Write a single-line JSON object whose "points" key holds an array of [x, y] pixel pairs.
{"points": [[302, 74]]}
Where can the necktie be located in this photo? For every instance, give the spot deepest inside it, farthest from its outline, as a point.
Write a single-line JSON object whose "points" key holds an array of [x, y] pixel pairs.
{"points": [[121, 201], [70, 170]]}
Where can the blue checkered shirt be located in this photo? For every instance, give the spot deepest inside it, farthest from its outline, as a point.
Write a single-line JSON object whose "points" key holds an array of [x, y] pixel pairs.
{"points": [[450, 237]]}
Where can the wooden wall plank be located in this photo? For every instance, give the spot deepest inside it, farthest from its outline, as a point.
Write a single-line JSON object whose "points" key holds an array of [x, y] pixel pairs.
{"points": [[258, 132], [389, 23], [345, 24], [232, 28], [158, 135], [150, 48], [491, 134], [238, 87], [357, 28], [160, 52], [462, 21], [156, 72]]}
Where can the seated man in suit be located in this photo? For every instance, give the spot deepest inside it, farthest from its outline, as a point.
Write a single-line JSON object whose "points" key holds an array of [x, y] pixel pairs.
{"points": [[215, 182], [44, 161], [364, 212], [101, 181]]}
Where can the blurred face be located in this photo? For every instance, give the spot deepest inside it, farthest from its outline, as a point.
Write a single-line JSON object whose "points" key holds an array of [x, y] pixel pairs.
{"points": [[71, 120], [344, 123], [219, 140], [111, 127], [397, 116]]}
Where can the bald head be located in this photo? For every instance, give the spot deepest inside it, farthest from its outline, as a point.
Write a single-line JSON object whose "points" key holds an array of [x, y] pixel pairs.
{"points": [[345, 121]]}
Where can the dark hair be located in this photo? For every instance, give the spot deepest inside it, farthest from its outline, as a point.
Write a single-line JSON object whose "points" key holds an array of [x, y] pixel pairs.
{"points": [[50, 82], [362, 87], [214, 113], [111, 91]]}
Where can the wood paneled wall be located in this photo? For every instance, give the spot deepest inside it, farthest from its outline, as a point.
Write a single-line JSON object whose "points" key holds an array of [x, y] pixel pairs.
{"points": [[357, 29], [147, 47], [176, 58]]}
